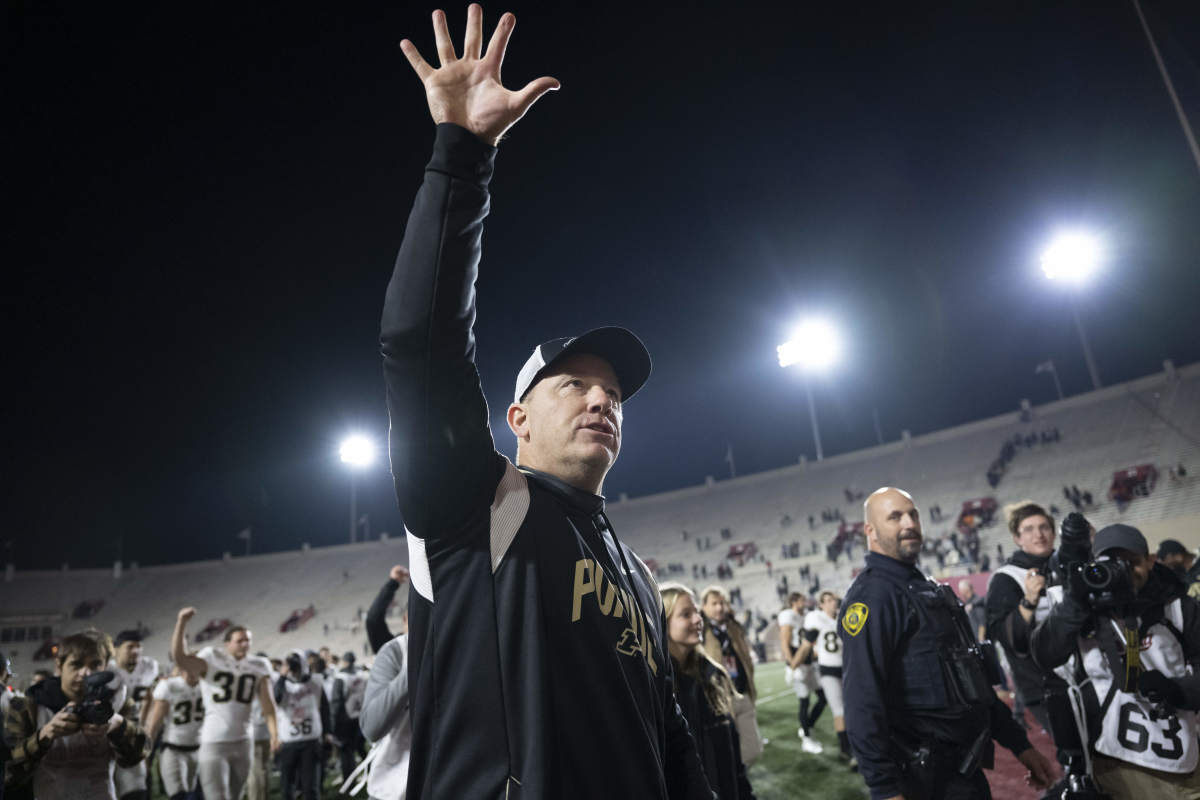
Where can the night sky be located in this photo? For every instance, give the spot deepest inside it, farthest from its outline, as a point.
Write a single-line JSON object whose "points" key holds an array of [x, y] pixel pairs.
{"points": [[209, 200]]}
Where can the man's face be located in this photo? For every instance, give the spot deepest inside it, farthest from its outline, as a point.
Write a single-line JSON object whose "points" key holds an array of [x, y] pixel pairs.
{"points": [[571, 420], [1180, 562], [128, 654], [74, 669], [1139, 566], [324, 653], [239, 644], [715, 607], [829, 604], [1035, 535], [893, 526]]}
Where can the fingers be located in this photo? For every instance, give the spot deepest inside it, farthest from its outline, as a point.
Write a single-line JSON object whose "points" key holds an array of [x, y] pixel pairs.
{"points": [[473, 42], [499, 42], [419, 64], [533, 91], [441, 33]]}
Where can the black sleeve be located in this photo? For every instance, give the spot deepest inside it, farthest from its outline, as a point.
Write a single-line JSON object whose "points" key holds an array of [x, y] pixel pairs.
{"points": [[326, 716], [279, 692], [1005, 624], [1055, 638], [377, 630], [866, 664], [338, 701], [444, 463], [1191, 651], [1006, 730]]}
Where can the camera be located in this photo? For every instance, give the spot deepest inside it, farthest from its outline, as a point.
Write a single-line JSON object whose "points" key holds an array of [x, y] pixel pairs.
{"points": [[1102, 583], [96, 706]]}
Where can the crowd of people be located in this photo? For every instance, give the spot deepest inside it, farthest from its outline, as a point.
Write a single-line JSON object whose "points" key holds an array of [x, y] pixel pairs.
{"points": [[540, 658]]}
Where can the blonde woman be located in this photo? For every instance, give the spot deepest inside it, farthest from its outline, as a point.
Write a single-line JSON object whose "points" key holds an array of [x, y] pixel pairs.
{"points": [[705, 694]]}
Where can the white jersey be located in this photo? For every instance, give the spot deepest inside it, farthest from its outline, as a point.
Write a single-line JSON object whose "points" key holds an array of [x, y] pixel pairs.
{"points": [[298, 713], [354, 691], [140, 680], [1130, 730], [185, 711], [792, 618], [828, 646], [230, 686]]}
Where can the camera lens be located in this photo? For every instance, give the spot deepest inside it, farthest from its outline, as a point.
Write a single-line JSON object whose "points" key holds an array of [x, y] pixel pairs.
{"points": [[1097, 575]]}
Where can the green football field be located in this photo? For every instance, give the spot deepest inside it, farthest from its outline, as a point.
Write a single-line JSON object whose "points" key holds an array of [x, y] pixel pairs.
{"points": [[782, 772]]}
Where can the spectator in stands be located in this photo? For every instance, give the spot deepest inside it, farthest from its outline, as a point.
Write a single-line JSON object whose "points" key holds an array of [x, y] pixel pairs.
{"points": [[377, 630], [706, 695], [385, 719], [1015, 592], [52, 749]]}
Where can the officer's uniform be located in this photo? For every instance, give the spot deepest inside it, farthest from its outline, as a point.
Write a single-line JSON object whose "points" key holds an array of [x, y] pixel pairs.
{"points": [[920, 709]]}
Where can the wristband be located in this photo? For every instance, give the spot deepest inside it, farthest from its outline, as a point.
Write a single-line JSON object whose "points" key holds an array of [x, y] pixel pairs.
{"points": [[811, 634], [1026, 604]]}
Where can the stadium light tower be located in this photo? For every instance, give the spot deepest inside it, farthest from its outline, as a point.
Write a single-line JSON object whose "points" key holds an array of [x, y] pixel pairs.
{"points": [[1072, 258], [814, 347], [357, 452]]}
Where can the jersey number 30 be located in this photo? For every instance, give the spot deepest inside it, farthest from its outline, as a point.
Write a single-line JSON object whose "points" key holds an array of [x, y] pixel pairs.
{"points": [[245, 687]]}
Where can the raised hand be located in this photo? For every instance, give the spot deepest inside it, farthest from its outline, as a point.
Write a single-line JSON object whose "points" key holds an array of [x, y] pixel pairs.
{"points": [[398, 573], [185, 614], [467, 91]]}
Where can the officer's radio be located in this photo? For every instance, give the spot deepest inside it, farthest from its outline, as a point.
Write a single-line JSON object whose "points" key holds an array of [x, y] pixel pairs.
{"points": [[973, 665]]}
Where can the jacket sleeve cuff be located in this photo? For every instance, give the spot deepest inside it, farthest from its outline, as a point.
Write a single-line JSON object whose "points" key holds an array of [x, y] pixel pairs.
{"points": [[461, 154]]}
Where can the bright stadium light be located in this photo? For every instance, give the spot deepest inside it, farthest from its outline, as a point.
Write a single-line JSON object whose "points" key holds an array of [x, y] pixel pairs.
{"points": [[357, 452], [1073, 257], [815, 346]]}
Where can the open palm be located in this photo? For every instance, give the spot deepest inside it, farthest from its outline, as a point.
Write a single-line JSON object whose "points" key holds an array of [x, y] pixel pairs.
{"points": [[467, 91]]}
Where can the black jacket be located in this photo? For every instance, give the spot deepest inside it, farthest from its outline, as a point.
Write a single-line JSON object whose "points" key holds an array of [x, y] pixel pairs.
{"points": [[895, 675], [378, 633], [716, 737], [1056, 638], [537, 658], [1006, 626]]}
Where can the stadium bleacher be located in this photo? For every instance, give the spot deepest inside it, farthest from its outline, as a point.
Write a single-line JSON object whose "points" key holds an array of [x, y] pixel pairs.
{"points": [[1155, 419]]}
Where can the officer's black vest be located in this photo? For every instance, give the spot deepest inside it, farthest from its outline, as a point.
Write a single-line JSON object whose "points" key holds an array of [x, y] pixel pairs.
{"points": [[938, 667]]}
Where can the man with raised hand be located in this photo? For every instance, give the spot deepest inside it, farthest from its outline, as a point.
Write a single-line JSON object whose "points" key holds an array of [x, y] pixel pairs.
{"points": [[538, 665]]}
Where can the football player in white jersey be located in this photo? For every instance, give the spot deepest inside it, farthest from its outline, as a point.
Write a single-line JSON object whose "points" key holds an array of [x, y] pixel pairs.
{"points": [[821, 637], [230, 678], [139, 674], [302, 715], [799, 674], [177, 706], [346, 702]]}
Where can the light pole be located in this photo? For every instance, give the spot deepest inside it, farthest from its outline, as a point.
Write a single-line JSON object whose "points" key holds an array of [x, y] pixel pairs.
{"points": [[357, 452], [1072, 258], [814, 346]]}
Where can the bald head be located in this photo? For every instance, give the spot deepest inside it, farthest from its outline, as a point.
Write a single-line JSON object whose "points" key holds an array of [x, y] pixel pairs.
{"points": [[892, 524]]}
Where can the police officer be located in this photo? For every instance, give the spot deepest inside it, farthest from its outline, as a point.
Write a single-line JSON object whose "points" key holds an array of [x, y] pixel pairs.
{"points": [[920, 708]]}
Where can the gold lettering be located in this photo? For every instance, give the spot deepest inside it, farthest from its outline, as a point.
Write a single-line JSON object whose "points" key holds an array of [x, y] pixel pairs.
{"points": [[584, 584], [606, 603]]}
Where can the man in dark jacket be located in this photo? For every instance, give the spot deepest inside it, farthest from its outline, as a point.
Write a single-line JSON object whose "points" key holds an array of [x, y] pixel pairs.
{"points": [[1014, 594], [537, 660]]}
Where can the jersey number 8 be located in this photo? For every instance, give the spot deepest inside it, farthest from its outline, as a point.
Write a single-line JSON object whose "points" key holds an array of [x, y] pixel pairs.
{"points": [[832, 643]]}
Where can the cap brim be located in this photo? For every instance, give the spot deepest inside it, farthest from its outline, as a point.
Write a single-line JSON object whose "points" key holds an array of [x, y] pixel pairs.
{"points": [[621, 348]]}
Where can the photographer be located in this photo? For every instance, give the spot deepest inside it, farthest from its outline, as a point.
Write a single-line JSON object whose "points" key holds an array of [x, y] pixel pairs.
{"points": [[1014, 592], [64, 735], [1139, 701]]}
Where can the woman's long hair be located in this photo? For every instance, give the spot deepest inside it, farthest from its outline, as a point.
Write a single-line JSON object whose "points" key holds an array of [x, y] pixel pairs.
{"points": [[718, 688]]}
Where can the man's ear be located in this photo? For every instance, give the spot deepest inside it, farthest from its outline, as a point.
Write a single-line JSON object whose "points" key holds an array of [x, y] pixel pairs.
{"points": [[518, 421]]}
